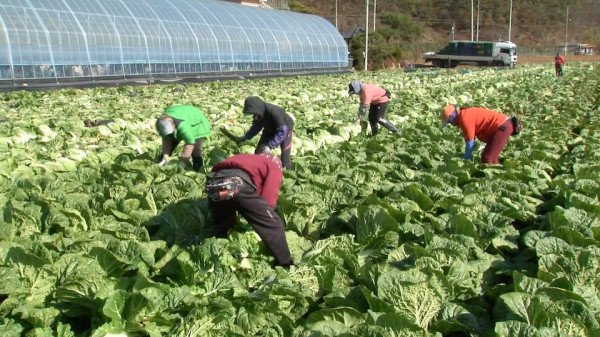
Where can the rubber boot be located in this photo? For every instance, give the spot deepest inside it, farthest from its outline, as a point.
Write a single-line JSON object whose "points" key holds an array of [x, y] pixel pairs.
{"points": [[197, 163], [386, 124], [374, 129]]}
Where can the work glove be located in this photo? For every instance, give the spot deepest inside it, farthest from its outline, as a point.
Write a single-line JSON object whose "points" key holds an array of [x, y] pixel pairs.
{"points": [[362, 112], [240, 140], [162, 159], [264, 149]]}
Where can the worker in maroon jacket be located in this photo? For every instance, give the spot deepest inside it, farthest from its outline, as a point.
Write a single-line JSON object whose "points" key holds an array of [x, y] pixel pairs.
{"points": [[374, 99], [559, 61], [277, 128], [249, 184]]}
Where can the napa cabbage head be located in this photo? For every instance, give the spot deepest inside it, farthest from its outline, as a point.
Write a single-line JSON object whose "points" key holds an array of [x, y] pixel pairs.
{"points": [[412, 293]]}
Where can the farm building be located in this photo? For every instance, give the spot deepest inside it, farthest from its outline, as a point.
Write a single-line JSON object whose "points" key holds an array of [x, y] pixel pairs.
{"points": [[577, 49], [87, 40]]}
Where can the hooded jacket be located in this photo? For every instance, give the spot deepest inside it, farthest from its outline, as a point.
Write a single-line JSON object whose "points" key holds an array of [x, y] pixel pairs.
{"points": [[274, 122]]}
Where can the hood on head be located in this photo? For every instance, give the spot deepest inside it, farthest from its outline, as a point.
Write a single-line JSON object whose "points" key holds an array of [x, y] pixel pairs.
{"points": [[355, 87], [254, 105]]}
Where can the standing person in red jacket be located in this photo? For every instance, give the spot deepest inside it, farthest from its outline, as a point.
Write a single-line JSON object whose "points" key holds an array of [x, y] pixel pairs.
{"points": [[249, 184], [490, 127], [559, 61], [376, 100]]}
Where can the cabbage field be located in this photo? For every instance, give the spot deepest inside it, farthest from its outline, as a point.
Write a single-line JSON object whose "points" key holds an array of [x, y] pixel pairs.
{"points": [[393, 235]]}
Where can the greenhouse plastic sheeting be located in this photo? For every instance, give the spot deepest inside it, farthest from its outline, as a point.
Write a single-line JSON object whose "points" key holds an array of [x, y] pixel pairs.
{"points": [[98, 38]]}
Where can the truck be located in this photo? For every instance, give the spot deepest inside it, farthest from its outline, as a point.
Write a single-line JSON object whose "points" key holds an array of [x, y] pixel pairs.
{"points": [[481, 53]]}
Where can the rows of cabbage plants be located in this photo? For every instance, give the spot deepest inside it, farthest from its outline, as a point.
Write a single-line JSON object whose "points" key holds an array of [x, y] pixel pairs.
{"points": [[392, 235]]}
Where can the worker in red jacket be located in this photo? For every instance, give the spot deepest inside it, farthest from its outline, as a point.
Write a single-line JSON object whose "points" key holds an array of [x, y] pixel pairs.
{"points": [[374, 99], [559, 61], [249, 184], [490, 127]]}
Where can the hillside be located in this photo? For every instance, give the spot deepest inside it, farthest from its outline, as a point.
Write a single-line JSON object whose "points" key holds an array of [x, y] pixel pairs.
{"points": [[535, 23]]}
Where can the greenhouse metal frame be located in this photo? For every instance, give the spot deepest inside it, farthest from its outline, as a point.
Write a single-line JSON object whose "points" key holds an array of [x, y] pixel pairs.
{"points": [[94, 39]]}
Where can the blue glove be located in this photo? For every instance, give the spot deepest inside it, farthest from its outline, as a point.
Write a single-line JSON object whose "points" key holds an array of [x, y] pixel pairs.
{"points": [[469, 147]]}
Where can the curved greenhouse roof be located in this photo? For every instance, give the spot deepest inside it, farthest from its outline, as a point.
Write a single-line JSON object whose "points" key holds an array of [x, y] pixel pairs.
{"points": [[60, 39]]}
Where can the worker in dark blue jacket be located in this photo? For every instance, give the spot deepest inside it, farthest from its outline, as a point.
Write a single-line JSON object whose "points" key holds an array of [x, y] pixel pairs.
{"points": [[277, 128]]}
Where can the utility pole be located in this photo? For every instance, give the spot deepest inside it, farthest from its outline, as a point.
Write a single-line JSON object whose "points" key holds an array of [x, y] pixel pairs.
{"points": [[566, 32], [477, 21], [452, 30], [471, 20], [374, 13], [509, 20], [336, 14], [367, 36]]}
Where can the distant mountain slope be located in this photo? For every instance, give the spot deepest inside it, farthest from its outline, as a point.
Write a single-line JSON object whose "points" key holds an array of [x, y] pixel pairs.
{"points": [[534, 22]]}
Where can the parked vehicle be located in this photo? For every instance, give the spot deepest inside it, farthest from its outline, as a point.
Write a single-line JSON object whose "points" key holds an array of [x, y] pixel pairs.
{"points": [[481, 53]]}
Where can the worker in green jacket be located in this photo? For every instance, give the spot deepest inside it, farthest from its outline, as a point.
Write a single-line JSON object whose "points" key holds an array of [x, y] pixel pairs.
{"points": [[183, 123]]}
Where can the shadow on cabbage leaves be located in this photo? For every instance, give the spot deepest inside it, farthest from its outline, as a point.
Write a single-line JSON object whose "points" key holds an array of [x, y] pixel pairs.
{"points": [[183, 223]]}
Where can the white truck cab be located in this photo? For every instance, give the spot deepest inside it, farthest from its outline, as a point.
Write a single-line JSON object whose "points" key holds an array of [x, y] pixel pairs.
{"points": [[507, 52]]}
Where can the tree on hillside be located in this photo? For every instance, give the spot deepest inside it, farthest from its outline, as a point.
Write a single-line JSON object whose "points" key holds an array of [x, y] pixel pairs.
{"points": [[380, 51], [400, 27], [299, 7], [592, 35]]}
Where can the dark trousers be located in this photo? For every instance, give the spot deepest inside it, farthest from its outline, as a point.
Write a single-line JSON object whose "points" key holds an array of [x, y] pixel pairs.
{"points": [[376, 114], [255, 209], [496, 143], [286, 147], [558, 69], [197, 161]]}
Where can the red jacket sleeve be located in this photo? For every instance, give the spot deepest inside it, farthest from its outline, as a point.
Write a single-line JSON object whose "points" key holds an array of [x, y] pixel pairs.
{"points": [[271, 184]]}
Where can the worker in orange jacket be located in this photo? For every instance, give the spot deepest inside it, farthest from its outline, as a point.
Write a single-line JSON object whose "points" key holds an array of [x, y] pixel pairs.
{"points": [[491, 127]]}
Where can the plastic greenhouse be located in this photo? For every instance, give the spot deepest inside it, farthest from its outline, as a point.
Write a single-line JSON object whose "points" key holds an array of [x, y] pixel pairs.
{"points": [[60, 40]]}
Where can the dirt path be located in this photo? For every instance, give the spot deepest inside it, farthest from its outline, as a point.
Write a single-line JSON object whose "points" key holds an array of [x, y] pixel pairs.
{"points": [[550, 59]]}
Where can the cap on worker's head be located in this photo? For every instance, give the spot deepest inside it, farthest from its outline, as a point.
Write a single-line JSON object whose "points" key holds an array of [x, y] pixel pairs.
{"points": [[273, 158], [447, 111], [165, 125], [355, 87]]}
